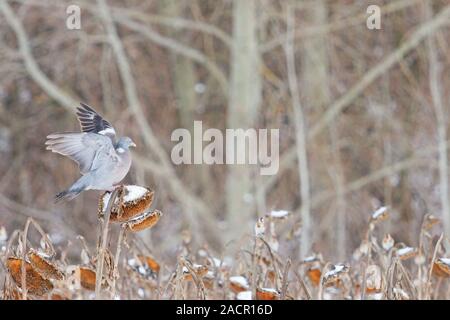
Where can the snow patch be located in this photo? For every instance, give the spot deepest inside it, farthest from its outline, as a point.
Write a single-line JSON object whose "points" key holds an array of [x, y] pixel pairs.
{"points": [[405, 251], [196, 267], [376, 296], [217, 262], [134, 192], [244, 295], [445, 261], [269, 290], [108, 131], [310, 259], [377, 214], [279, 213], [338, 268], [239, 280]]}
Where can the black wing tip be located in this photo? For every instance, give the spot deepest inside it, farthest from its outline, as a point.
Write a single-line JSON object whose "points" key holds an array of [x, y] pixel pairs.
{"points": [[85, 109], [81, 109], [84, 105], [91, 121], [86, 112]]}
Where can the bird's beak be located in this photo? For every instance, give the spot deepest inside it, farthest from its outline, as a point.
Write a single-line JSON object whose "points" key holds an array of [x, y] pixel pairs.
{"points": [[133, 144]]}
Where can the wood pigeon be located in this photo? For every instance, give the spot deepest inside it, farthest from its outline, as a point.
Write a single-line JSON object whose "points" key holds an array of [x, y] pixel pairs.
{"points": [[102, 160]]}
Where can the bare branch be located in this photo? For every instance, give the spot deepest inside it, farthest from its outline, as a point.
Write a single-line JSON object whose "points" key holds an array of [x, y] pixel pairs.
{"points": [[31, 65], [334, 25], [344, 101], [176, 47]]}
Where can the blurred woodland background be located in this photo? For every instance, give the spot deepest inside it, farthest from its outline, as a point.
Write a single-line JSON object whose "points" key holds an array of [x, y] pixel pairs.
{"points": [[363, 114]]}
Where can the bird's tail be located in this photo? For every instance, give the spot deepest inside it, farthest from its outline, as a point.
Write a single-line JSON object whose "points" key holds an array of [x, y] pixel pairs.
{"points": [[67, 195]]}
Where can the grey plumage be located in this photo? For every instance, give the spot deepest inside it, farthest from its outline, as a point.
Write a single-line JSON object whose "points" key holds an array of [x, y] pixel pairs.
{"points": [[103, 162]]}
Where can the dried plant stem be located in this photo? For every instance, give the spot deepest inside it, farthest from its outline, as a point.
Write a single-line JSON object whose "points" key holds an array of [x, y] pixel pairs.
{"points": [[285, 282], [421, 253], [178, 281], [303, 285], [197, 280], [408, 280], [116, 259], [256, 251], [366, 264], [447, 293], [84, 245], [12, 238], [23, 270], [23, 237], [272, 257], [104, 221], [438, 243], [391, 272], [320, 292], [169, 283], [437, 288]]}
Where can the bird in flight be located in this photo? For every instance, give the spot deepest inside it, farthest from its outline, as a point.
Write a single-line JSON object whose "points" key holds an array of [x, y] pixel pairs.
{"points": [[103, 160]]}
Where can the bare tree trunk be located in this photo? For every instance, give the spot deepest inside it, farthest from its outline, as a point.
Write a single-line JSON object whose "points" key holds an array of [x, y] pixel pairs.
{"points": [[184, 78], [244, 104], [441, 118], [183, 71], [316, 94], [315, 82], [339, 230], [299, 120], [315, 64]]}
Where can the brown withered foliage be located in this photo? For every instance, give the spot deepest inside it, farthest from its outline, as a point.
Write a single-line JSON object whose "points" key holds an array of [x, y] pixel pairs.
{"points": [[36, 284], [378, 269]]}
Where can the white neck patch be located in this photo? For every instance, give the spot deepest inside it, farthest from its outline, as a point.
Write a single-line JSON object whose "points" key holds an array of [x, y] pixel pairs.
{"points": [[120, 150], [107, 131]]}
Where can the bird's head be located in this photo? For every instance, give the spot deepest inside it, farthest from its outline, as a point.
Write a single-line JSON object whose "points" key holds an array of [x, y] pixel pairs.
{"points": [[125, 143]]}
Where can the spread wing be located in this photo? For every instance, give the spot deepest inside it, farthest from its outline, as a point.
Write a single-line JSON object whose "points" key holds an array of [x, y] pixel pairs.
{"points": [[89, 150], [91, 121]]}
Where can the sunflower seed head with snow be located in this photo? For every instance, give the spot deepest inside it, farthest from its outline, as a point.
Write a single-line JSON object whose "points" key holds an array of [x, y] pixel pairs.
{"points": [[380, 214], [337, 271], [240, 281], [406, 253], [444, 265]]}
